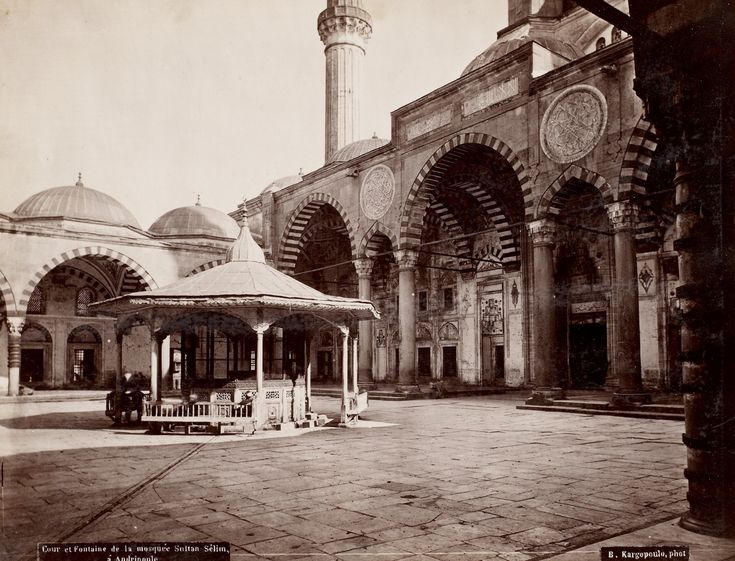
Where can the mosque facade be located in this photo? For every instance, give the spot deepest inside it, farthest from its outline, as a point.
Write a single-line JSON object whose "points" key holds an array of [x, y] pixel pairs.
{"points": [[516, 230]]}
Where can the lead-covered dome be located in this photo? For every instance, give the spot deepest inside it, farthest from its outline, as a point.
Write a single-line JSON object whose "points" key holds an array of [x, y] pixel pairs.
{"points": [[357, 148], [76, 202], [501, 48], [195, 220]]}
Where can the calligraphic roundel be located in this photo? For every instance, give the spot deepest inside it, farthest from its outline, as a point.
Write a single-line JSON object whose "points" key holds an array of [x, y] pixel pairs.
{"points": [[573, 124], [376, 194]]}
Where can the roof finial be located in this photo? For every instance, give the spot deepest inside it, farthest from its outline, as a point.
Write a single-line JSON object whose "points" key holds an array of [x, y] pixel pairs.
{"points": [[375, 135], [301, 172], [79, 180], [199, 199]]}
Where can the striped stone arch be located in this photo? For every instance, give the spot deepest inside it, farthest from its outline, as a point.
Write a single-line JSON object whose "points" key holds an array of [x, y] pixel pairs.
{"points": [[206, 266], [637, 160], [450, 152], [292, 240], [369, 245], [99, 288], [551, 204], [7, 306], [449, 221], [97, 251]]}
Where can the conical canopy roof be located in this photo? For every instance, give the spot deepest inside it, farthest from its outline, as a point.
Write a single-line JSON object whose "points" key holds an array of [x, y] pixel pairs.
{"points": [[244, 280]]}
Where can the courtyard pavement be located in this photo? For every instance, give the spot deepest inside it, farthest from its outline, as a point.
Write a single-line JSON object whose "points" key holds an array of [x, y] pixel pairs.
{"points": [[465, 479]]}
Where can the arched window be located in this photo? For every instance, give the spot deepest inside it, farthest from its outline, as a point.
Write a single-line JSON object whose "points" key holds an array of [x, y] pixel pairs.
{"points": [[616, 35], [85, 297], [37, 302], [600, 43]]}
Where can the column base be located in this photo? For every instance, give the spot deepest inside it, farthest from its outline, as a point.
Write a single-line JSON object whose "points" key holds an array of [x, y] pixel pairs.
{"points": [[545, 396], [408, 388], [716, 527], [629, 400]]}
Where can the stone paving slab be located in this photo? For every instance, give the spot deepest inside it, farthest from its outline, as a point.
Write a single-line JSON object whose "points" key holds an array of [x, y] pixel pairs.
{"points": [[469, 478]]}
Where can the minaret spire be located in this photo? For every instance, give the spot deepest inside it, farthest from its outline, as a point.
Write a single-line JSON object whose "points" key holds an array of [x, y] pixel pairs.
{"points": [[344, 28]]}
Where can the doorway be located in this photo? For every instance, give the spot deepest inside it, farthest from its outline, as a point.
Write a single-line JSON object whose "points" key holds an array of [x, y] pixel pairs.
{"points": [[31, 365], [587, 355], [499, 364], [449, 362], [424, 362]]}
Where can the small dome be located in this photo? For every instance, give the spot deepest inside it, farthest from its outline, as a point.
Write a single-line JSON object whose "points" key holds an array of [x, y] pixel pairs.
{"points": [[501, 48], [195, 220], [79, 202], [357, 148], [281, 183]]}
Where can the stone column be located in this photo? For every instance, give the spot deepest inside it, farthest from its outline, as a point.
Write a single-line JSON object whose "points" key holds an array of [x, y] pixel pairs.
{"points": [[15, 328], [355, 387], [345, 364], [364, 269], [118, 379], [156, 344], [541, 233], [260, 330], [407, 259], [707, 382], [627, 365], [308, 345]]}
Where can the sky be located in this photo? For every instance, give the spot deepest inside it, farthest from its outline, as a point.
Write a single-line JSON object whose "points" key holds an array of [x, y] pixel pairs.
{"points": [[158, 101]]}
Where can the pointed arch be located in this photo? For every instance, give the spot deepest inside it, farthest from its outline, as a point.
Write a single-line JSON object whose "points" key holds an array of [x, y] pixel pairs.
{"points": [[7, 306], [549, 203], [637, 160], [206, 266], [366, 247], [292, 241], [450, 152], [99, 251]]}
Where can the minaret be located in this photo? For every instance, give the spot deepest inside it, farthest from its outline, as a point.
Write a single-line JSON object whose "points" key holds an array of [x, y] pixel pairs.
{"points": [[344, 28]]}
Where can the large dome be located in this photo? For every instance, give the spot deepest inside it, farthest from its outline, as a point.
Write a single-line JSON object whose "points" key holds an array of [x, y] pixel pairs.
{"points": [[501, 48], [76, 201], [357, 148], [195, 220]]}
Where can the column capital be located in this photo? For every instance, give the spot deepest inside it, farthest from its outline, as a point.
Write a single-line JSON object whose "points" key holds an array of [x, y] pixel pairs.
{"points": [[364, 267], [261, 328], [623, 215], [407, 259], [344, 330], [15, 325], [542, 232]]}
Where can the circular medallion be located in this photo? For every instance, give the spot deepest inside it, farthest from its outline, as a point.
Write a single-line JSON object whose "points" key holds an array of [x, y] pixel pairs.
{"points": [[376, 193], [573, 124]]}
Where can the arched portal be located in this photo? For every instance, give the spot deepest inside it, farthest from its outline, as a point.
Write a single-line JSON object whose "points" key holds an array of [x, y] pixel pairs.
{"points": [[378, 279], [63, 289], [318, 247], [292, 242], [83, 346], [464, 219], [35, 354], [583, 276]]}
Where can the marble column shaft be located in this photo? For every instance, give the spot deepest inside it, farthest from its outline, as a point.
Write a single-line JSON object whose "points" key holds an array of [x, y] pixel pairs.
{"points": [[364, 269], [541, 233], [15, 327], [624, 218], [407, 259]]}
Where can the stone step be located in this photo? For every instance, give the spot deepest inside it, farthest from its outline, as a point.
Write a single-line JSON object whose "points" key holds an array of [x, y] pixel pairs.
{"points": [[637, 413]]}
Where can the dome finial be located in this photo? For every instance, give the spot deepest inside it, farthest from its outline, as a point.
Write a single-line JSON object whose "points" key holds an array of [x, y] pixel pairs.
{"points": [[301, 172], [79, 180], [199, 200], [244, 247]]}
